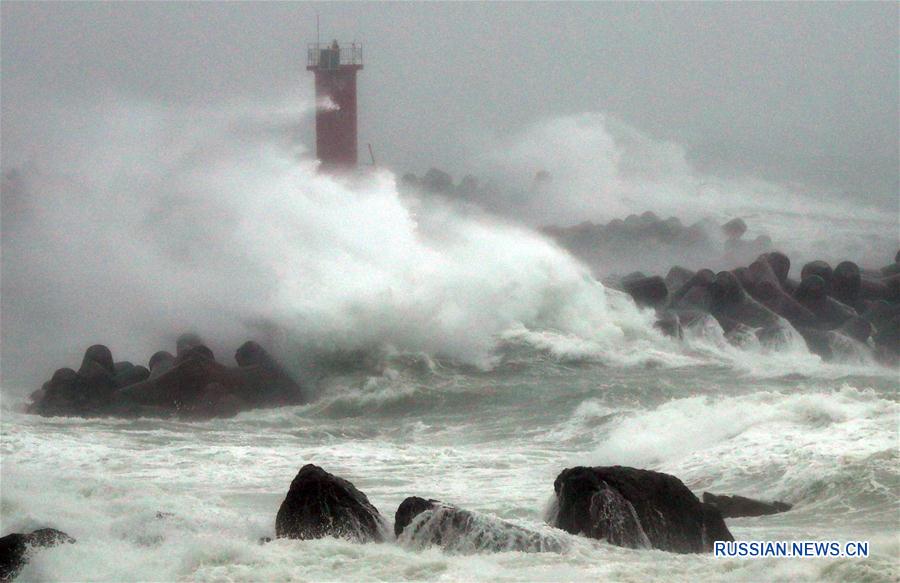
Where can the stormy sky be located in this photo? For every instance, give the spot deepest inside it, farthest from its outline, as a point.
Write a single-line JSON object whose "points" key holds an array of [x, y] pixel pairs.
{"points": [[787, 92]]}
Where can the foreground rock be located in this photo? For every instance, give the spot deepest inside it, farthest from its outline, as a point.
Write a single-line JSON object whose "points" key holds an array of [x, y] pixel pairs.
{"points": [[738, 506], [319, 505], [14, 548], [636, 508], [191, 384], [421, 523]]}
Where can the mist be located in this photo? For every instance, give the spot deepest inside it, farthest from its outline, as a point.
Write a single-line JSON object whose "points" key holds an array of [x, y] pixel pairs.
{"points": [[157, 175], [217, 222]]}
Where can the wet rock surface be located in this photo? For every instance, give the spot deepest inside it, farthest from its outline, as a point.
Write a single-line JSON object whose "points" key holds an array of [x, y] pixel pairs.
{"points": [[636, 508], [16, 547], [319, 504], [737, 506], [421, 523]]}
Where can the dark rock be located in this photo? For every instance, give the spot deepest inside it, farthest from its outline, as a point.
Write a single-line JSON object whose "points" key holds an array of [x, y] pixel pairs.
{"points": [[846, 282], [697, 298], [763, 243], [319, 504], [818, 341], [677, 277], [812, 288], [633, 220], [739, 334], [736, 506], [97, 382], [649, 218], [214, 401], [454, 529], [744, 277], [128, 374], [196, 351], [688, 318], [669, 324], [101, 355], [892, 269], [57, 396], [831, 344], [820, 268], [633, 276], [857, 328], [636, 508], [694, 293], [887, 336], [880, 311], [829, 312], [784, 305], [735, 228], [761, 271], [267, 381], [649, 291], [87, 392], [731, 303], [893, 288], [714, 527], [185, 342], [409, 509], [183, 384], [437, 181], [766, 288], [160, 362], [191, 385], [780, 264], [873, 289], [14, 548]]}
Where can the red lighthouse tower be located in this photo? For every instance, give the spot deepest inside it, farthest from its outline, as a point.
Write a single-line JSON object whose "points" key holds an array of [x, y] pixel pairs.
{"points": [[335, 68]]}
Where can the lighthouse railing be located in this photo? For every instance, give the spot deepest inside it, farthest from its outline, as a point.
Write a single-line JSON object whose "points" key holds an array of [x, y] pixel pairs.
{"points": [[324, 55]]}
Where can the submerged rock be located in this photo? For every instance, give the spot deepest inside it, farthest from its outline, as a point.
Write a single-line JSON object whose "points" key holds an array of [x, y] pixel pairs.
{"points": [[736, 506], [421, 523], [319, 504], [14, 548], [636, 508]]}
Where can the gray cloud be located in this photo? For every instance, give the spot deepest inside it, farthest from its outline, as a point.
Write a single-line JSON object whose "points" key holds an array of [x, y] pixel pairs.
{"points": [[791, 92]]}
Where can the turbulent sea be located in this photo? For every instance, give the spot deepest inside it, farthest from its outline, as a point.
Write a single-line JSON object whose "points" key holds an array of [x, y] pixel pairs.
{"points": [[501, 362], [487, 441]]}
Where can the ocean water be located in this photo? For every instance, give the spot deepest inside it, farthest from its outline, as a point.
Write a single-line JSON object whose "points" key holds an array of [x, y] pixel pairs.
{"points": [[491, 441], [494, 360]]}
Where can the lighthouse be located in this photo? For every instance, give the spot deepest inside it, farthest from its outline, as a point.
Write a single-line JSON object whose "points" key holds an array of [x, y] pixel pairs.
{"points": [[335, 69]]}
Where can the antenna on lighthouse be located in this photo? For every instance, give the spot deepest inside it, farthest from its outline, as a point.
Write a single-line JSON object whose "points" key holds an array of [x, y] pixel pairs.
{"points": [[317, 29]]}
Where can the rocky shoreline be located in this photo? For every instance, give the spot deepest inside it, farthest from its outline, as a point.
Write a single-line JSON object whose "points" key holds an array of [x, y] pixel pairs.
{"points": [[622, 506], [189, 385], [843, 312], [838, 311]]}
